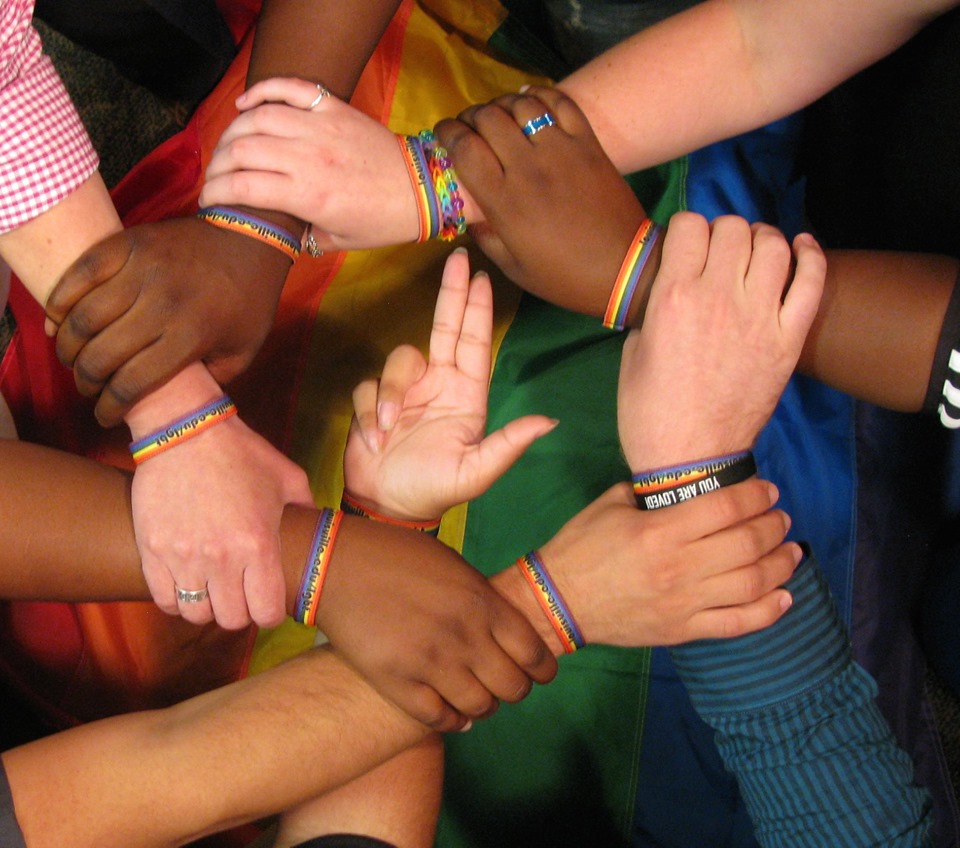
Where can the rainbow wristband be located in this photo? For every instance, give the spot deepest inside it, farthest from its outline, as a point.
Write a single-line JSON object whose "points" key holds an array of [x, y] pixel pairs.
{"points": [[185, 428], [445, 187], [628, 278], [669, 486], [551, 602], [315, 570], [428, 204], [353, 507], [249, 225]]}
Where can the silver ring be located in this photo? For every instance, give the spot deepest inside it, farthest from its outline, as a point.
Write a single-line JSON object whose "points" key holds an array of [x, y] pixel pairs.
{"points": [[191, 596], [541, 122], [310, 243], [324, 92]]}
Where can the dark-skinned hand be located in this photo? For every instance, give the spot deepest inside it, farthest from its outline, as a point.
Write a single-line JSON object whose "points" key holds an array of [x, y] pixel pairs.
{"points": [[428, 631], [138, 307], [558, 218]]}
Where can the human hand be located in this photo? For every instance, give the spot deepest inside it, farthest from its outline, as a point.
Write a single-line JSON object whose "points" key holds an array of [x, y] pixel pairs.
{"points": [[416, 445], [207, 515], [558, 218], [280, 155], [139, 306], [720, 340], [706, 568], [425, 628]]}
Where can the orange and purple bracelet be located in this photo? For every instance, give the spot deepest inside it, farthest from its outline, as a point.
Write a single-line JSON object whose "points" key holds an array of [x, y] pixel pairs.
{"points": [[352, 506], [182, 429], [249, 225], [318, 563], [551, 602], [628, 278]]}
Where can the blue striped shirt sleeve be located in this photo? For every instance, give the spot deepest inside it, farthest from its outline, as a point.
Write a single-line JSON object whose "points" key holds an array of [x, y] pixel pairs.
{"points": [[797, 723]]}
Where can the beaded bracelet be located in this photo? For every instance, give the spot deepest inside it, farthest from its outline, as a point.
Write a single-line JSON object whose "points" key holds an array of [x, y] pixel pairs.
{"points": [[439, 205], [628, 278], [353, 507], [315, 570], [669, 486], [249, 225], [184, 428], [551, 602]]}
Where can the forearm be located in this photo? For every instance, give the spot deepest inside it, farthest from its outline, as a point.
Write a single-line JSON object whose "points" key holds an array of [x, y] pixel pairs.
{"points": [[43, 248], [727, 66], [233, 755], [324, 41], [879, 321]]}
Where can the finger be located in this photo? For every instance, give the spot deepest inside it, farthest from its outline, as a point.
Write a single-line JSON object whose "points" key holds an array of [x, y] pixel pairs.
{"points": [[255, 188], [473, 158], [769, 265], [365, 422], [97, 265], [422, 702], [710, 513], [465, 693], [448, 314], [290, 90], [476, 335], [160, 583], [199, 611], [144, 372], [502, 448], [741, 544], [685, 247], [228, 603], [264, 588], [806, 289], [730, 622], [525, 648], [568, 114], [404, 366], [731, 248], [754, 580]]}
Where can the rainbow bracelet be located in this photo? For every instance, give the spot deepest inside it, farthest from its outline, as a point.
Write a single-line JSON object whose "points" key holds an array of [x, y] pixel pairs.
{"points": [[669, 486], [353, 507], [551, 602], [318, 563], [184, 428], [249, 225], [628, 278], [428, 204], [445, 187]]}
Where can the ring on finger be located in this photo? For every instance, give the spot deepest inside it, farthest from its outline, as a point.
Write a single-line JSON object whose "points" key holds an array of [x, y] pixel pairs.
{"points": [[541, 122], [322, 91], [191, 596]]}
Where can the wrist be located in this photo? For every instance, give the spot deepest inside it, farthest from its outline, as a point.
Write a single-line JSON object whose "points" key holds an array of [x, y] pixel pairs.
{"points": [[191, 389], [512, 586], [363, 508]]}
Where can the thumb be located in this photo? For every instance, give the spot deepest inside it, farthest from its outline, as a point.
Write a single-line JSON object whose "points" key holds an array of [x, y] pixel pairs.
{"points": [[498, 451]]}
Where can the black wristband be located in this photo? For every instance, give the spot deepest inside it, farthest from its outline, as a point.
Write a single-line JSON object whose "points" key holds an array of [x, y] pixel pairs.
{"points": [[944, 381], [669, 486]]}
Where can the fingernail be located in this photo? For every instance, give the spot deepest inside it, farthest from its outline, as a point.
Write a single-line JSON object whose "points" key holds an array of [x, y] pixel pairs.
{"points": [[524, 88], [797, 554], [49, 327], [787, 521], [786, 601], [466, 727], [772, 492], [387, 413], [460, 249]]}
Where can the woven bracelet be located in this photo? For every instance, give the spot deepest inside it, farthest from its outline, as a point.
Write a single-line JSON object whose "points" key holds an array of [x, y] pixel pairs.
{"points": [[669, 486], [352, 506], [184, 428], [551, 602], [628, 278], [249, 225], [318, 563]]}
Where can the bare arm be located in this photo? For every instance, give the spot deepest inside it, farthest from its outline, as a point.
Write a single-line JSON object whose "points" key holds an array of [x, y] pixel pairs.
{"points": [[727, 66]]}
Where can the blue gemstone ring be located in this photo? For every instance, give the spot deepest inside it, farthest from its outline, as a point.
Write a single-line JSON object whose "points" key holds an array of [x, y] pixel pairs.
{"points": [[533, 126]]}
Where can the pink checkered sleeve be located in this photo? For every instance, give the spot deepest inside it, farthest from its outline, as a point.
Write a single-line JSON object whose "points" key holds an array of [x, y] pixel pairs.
{"points": [[45, 153]]}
